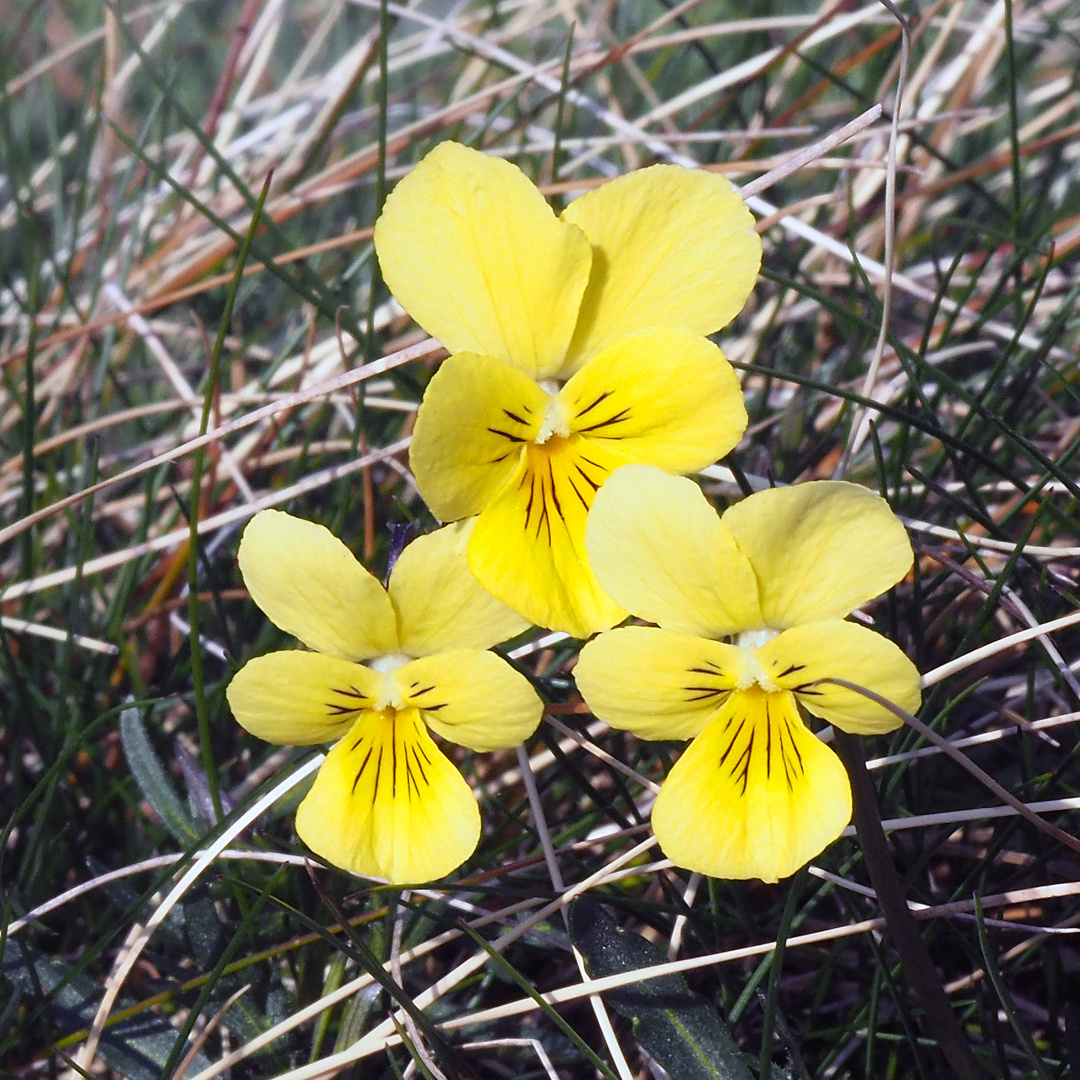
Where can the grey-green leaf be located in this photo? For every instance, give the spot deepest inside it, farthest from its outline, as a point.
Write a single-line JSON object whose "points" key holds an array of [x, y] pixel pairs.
{"points": [[137, 1047], [152, 779], [675, 1025]]}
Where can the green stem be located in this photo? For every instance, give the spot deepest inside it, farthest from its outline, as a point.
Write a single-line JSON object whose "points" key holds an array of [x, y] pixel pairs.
{"points": [[937, 1019], [198, 459]]}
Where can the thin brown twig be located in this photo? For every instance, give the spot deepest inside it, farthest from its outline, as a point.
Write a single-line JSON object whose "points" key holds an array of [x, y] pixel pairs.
{"points": [[225, 81]]}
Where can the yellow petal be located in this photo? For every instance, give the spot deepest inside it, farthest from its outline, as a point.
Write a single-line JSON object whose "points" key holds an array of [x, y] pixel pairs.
{"points": [[819, 549], [663, 397], [440, 603], [477, 415], [472, 251], [300, 698], [471, 697], [755, 795], [387, 803], [655, 683], [672, 247], [843, 650], [660, 550], [528, 546], [308, 583]]}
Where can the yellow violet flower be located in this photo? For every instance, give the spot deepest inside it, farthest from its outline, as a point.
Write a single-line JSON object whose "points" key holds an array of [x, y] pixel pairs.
{"points": [[751, 610], [578, 344], [386, 665]]}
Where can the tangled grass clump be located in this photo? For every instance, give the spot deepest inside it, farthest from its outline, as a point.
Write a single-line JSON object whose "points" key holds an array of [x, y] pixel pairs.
{"points": [[194, 327]]}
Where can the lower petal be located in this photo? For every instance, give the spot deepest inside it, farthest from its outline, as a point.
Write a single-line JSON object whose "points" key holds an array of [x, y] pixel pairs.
{"points": [[528, 547], [387, 803], [755, 795]]}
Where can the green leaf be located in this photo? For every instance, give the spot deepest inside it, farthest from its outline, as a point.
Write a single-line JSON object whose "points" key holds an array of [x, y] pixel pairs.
{"points": [[152, 779], [675, 1025], [137, 1047]]}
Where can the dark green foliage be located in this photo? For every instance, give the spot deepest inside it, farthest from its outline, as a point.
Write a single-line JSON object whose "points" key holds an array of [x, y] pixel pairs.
{"points": [[676, 1026]]}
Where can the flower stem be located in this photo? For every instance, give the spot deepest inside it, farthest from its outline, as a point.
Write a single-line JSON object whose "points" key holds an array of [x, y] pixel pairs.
{"points": [[938, 1018]]}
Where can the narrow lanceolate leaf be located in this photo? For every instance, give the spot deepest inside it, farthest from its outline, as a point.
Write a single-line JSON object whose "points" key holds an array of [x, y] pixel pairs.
{"points": [[137, 1047], [675, 1025], [152, 779]]}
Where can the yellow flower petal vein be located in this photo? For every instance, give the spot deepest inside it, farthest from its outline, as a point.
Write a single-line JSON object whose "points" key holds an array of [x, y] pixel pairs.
{"points": [[302, 698], [833, 648], [478, 416], [662, 397], [471, 697], [528, 545]]}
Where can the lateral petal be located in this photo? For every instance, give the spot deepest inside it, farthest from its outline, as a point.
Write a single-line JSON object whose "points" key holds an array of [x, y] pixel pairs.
{"points": [[439, 602], [475, 255], [661, 551], [528, 545], [834, 648], [655, 683], [300, 698], [471, 697], [665, 397], [755, 795], [819, 549], [672, 247], [309, 584], [387, 803], [477, 415]]}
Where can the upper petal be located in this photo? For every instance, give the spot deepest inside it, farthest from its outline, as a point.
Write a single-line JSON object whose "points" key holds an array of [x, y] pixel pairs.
{"points": [[819, 549], [301, 698], [662, 552], [473, 252], [665, 397], [476, 417], [671, 247], [387, 803], [439, 602], [308, 583], [528, 546], [755, 795], [655, 683], [837, 649], [471, 697]]}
